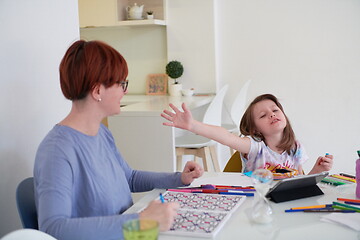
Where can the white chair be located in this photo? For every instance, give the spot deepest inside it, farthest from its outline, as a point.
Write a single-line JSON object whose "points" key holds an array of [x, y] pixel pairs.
{"points": [[192, 144], [27, 234], [237, 110]]}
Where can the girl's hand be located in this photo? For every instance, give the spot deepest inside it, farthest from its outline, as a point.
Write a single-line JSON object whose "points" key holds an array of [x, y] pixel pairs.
{"points": [[191, 171], [164, 213], [323, 164], [178, 119]]}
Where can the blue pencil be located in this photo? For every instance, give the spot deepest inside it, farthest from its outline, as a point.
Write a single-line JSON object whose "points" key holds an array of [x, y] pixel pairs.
{"points": [[237, 193], [353, 203], [330, 210], [302, 210], [240, 190]]}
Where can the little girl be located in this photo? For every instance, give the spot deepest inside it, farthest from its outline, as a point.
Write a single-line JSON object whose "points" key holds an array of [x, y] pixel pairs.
{"points": [[269, 140]]}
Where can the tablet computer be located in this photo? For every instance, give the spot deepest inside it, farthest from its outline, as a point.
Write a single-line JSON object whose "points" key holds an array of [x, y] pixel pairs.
{"points": [[296, 187]]}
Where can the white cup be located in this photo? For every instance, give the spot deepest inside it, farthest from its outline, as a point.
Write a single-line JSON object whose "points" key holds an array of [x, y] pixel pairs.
{"points": [[187, 92]]}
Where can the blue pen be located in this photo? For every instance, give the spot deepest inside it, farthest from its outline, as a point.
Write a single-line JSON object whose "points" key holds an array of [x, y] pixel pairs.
{"points": [[162, 198]]}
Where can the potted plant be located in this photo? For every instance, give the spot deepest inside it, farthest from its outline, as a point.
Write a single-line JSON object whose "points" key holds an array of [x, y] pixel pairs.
{"points": [[150, 15], [174, 69]]}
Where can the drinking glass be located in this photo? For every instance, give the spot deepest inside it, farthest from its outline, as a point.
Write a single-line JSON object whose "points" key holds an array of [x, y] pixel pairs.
{"points": [[141, 229]]}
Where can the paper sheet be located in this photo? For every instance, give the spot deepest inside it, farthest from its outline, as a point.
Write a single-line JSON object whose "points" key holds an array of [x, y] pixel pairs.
{"points": [[351, 220]]}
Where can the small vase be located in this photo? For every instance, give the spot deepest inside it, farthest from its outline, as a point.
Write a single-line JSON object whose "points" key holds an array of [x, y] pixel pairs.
{"points": [[175, 90]]}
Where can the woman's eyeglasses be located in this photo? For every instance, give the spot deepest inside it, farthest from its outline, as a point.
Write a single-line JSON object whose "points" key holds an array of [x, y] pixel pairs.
{"points": [[124, 85]]}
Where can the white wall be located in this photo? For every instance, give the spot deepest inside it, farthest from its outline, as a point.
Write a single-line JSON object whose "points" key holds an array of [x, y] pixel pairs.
{"points": [[144, 49], [34, 37], [191, 40], [307, 53]]}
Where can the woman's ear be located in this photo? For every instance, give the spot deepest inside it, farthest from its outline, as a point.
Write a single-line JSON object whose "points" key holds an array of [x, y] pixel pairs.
{"points": [[96, 93]]}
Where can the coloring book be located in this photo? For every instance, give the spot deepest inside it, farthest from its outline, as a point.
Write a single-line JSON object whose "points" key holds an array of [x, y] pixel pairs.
{"points": [[200, 214]]}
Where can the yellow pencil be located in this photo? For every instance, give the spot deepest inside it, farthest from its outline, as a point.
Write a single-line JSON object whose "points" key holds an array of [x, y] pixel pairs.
{"points": [[316, 206], [344, 178]]}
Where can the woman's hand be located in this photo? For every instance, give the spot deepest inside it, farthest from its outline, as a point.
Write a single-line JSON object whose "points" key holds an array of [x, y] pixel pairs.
{"points": [[323, 164], [191, 171], [178, 119], [163, 213]]}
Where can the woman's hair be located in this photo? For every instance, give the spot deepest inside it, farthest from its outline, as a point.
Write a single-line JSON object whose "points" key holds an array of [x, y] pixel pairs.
{"points": [[248, 128], [86, 65]]}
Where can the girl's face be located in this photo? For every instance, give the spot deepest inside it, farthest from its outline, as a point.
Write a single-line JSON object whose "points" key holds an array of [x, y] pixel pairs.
{"points": [[112, 98], [268, 118]]}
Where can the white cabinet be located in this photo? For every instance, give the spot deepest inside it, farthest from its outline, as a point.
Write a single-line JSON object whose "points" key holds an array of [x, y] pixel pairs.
{"points": [[140, 136], [106, 13]]}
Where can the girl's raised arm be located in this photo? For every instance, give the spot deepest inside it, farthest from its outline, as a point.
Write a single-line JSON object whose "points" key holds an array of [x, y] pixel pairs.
{"points": [[184, 120]]}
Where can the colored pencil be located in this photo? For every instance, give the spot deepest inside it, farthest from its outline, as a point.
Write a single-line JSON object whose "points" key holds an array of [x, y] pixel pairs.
{"points": [[185, 190], [333, 182], [344, 208], [237, 193], [349, 200], [347, 206], [315, 206], [347, 175], [230, 192], [344, 178], [302, 210], [237, 189], [211, 191], [210, 186], [330, 210], [353, 203]]}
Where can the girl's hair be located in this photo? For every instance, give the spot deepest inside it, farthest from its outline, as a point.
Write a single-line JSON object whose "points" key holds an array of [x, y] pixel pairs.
{"points": [[86, 65], [248, 128]]}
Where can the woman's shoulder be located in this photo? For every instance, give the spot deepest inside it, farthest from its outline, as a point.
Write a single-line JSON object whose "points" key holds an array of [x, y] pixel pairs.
{"points": [[105, 133], [59, 137]]}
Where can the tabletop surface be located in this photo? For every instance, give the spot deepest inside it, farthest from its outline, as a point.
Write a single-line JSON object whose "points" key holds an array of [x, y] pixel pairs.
{"points": [[296, 225]]}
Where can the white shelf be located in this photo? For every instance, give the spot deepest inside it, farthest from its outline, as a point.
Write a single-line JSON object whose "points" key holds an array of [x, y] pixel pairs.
{"points": [[133, 23], [141, 22]]}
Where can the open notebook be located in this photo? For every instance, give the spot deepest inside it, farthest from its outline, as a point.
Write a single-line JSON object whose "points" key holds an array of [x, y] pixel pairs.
{"points": [[200, 214]]}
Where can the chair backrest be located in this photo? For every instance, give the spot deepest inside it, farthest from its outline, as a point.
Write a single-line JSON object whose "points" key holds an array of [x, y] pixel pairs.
{"points": [[239, 104], [25, 201], [234, 164], [213, 113], [27, 234]]}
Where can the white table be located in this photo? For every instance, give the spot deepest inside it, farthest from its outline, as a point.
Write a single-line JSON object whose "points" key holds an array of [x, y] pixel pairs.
{"points": [[139, 134], [297, 225]]}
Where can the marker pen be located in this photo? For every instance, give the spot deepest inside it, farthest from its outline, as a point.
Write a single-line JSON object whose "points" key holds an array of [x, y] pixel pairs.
{"points": [[161, 198]]}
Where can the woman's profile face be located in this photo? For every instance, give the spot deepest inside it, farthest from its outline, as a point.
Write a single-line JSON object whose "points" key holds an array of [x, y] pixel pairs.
{"points": [[112, 97]]}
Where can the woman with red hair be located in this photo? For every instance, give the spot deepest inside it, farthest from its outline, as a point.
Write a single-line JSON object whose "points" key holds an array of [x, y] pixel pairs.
{"points": [[82, 183]]}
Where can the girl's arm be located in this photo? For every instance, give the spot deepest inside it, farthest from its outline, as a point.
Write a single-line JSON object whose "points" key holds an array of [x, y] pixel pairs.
{"points": [[322, 164], [184, 120]]}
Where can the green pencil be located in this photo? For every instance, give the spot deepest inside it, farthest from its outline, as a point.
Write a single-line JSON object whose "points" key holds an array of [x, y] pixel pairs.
{"points": [[345, 206]]}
